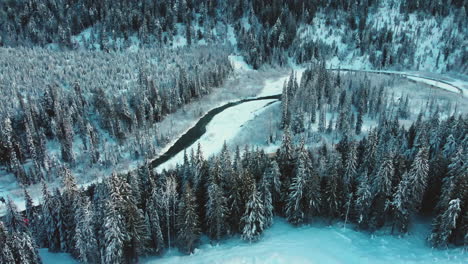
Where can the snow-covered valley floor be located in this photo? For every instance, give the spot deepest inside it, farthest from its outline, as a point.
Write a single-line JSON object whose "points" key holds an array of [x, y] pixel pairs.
{"points": [[316, 243]]}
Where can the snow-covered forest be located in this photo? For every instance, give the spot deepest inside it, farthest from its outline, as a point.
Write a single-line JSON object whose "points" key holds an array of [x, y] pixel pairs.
{"points": [[364, 124]]}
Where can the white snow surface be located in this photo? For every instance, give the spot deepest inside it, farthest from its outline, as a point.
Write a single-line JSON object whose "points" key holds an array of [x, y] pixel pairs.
{"points": [[275, 86], [441, 85], [55, 258], [311, 244], [223, 127], [238, 63], [319, 243]]}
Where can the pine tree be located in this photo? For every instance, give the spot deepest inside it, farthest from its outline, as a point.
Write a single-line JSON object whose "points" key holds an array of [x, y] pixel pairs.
{"points": [[23, 249], [266, 197], [115, 235], [349, 180], [68, 210], [286, 162], [322, 125], [359, 123], [253, 220], [14, 221], [50, 237], [448, 223], [363, 201], [418, 177], [296, 204], [31, 220], [134, 228], [382, 191], [272, 175], [400, 204], [216, 211], [85, 239], [155, 222], [453, 187], [313, 192], [285, 99], [6, 254], [333, 193], [188, 222]]}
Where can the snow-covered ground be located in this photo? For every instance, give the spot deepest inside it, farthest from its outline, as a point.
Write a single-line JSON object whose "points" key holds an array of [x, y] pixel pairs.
{"points": [[319, 243], [275, 86], [434, 83], [56, 258], [312, 244]]}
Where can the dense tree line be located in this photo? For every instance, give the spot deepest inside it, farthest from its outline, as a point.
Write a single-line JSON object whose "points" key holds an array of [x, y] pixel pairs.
{"points": [[268, 31], [278, 30], [341, 102], [382, 180], [96, 106]]}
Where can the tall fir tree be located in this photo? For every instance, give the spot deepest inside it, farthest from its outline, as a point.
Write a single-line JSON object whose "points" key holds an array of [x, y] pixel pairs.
{"points": [[188, 223], [253, 220]]}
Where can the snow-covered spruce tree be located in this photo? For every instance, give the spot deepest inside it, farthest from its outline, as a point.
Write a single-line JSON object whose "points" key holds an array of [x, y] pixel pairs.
{"points": [[296, 203], [401, 205], [17, 247], [418, 178], [50, 233], [359, 122], [285, 158], [153, 215], [67, 141], [6, 254], [313, 192], [349, 181], [216, 210], [322, 123], [266, 197], [14, 221], [447, 223], [85, 239], [454, 186], [382, 191], [333, 194], [363, 201], [14, 163], [133, 217], [188, 224], [69, 205], [32, 218], [253, 220], [167, 207], [235, 201], [115, 235], [285, 103], [23, 248], [272, 175]]}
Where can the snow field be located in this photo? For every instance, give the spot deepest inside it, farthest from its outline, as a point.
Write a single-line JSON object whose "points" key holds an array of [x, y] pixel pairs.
{"points": [[319, 244]]}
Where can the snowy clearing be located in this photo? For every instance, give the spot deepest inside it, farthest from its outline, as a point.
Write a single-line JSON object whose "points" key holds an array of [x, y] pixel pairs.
{"points": [[318, 243], [275, 86]]}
